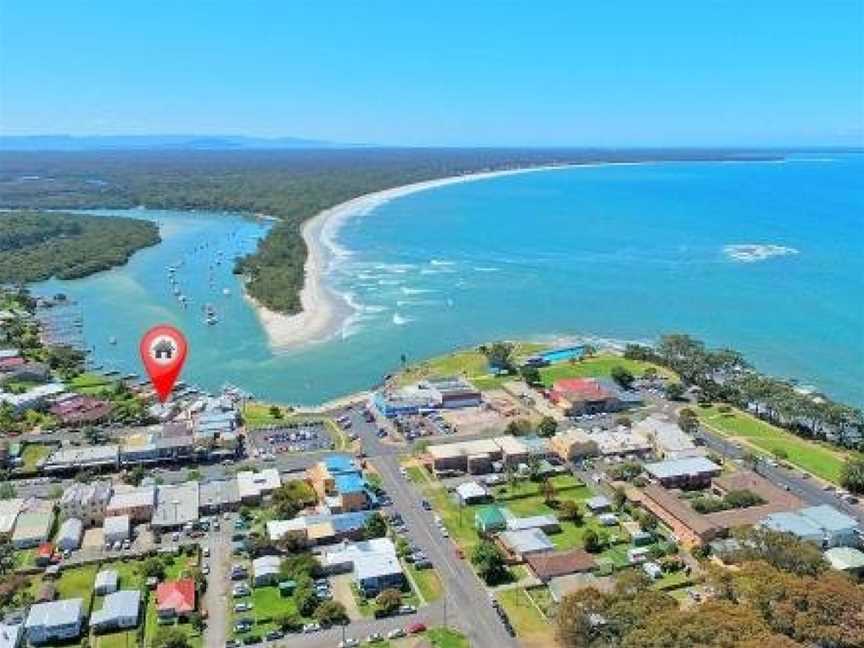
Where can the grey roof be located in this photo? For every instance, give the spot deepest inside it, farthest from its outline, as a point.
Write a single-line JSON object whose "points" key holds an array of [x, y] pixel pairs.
{"points": [[681, 467], [55, 613], [471, 490], [829, 518], [176, 504], [266, 565], [527, 541], [376, 566], [600, 501], [119, 605], [94, 493], [215, 493], [107, 578], [116, 524], [70, 532], [793, 523], [844, 558], [10, 633]]}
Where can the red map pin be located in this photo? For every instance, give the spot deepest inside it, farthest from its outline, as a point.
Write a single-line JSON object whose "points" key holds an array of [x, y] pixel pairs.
{"points": [[163, 352]]}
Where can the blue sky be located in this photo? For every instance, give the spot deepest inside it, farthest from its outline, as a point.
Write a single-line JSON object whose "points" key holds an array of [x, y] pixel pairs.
{"points": [[456, 73]]}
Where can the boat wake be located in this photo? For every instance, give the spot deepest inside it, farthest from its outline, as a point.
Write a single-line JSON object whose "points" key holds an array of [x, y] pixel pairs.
{"points": [[754, 252]]}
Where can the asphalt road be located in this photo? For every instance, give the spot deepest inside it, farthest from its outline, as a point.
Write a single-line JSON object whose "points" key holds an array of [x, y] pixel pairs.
{"points": [[467, 599], [809, 490], [468, 605]]}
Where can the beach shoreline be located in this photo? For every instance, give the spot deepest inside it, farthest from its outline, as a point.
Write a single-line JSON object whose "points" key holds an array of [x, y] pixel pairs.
{"points": [[324, 311]]}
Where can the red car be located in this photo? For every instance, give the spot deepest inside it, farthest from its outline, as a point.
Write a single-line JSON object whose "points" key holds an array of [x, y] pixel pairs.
{"points": [[416, 628]]}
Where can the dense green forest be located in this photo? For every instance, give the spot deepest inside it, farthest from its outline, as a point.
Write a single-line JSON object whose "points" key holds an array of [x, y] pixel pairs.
{"points": [[39, 245], [289, 185]]}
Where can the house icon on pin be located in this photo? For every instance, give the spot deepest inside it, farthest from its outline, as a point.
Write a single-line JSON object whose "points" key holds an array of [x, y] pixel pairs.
{"points": [[164, 350]]}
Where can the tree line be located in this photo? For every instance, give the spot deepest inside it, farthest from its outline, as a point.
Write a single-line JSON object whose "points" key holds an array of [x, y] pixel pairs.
{"points": [[35, 246]]}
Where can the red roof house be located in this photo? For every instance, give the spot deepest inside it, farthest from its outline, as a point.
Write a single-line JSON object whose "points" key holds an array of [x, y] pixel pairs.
{"points": [[175, 598], [583, 396], [11, 363], [44, 553]]}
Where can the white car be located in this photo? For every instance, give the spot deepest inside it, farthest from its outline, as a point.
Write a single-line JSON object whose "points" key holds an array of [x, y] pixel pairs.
{"points": [[311, 627], [395, 634], [349, 643]]}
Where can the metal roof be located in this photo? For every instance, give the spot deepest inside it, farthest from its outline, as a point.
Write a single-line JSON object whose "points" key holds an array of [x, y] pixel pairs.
{"points": [[55, 613], [119, 605], [681, 467], [829, 518], [527, 541]]}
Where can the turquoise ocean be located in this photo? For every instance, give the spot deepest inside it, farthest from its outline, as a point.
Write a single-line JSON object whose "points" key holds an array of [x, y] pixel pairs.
{"points": [[766, 258]]}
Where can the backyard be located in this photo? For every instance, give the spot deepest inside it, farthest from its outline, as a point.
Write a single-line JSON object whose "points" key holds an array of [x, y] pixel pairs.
{"points": [[820, 459]]}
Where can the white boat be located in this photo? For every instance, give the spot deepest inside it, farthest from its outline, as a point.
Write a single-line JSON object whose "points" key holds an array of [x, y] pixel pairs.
{"points": [[112, 340], [226, 292]]}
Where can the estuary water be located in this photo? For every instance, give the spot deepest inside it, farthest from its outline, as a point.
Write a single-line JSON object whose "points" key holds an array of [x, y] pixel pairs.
{"points": [[765, 258]]}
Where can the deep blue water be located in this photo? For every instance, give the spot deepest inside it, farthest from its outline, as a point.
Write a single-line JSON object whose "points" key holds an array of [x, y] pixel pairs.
{"points": [[617, 252]]}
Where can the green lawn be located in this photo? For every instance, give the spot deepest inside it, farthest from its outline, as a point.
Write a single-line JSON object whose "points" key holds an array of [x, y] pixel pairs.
{"points": [[123, 639], [598, 366], [821, 460], [446, 638], [73, 583], [32, 454], [25, 558], [673, 581], [90, 383], [267, 604], [427, 582], [523, 614], [469, 363]]}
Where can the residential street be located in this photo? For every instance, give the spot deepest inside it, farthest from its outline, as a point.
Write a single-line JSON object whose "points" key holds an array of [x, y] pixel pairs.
{"points": [[218, 595]]}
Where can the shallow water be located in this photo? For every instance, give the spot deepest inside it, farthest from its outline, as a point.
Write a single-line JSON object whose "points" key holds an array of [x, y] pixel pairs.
{"points": [[620, 252]]}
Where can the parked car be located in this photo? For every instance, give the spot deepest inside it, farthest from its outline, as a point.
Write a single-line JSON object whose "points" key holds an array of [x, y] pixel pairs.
{"points": [[374, 637], [416, 628], [311, 627], [273, 635], [350, 642], [395, 634]]}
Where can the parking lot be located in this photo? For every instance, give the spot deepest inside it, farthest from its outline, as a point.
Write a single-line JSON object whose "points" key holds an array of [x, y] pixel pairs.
{"points": [[292, 438]]}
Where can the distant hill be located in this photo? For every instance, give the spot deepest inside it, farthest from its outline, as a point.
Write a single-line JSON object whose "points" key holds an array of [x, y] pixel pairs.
{"points": [[159, 142]]}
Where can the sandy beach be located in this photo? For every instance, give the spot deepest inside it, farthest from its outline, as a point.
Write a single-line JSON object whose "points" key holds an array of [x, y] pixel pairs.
{"points": [[324, 310]]}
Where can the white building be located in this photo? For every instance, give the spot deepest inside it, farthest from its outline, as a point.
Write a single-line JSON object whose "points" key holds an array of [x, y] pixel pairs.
{"points": [[116, 529], [32, 398], [9, 510], [87, 502], [176, 505], [107, 582], [374, 563], [55, 621], [69, 535], [265, 570], [119, 610], [667, 439], [252, 486]]}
